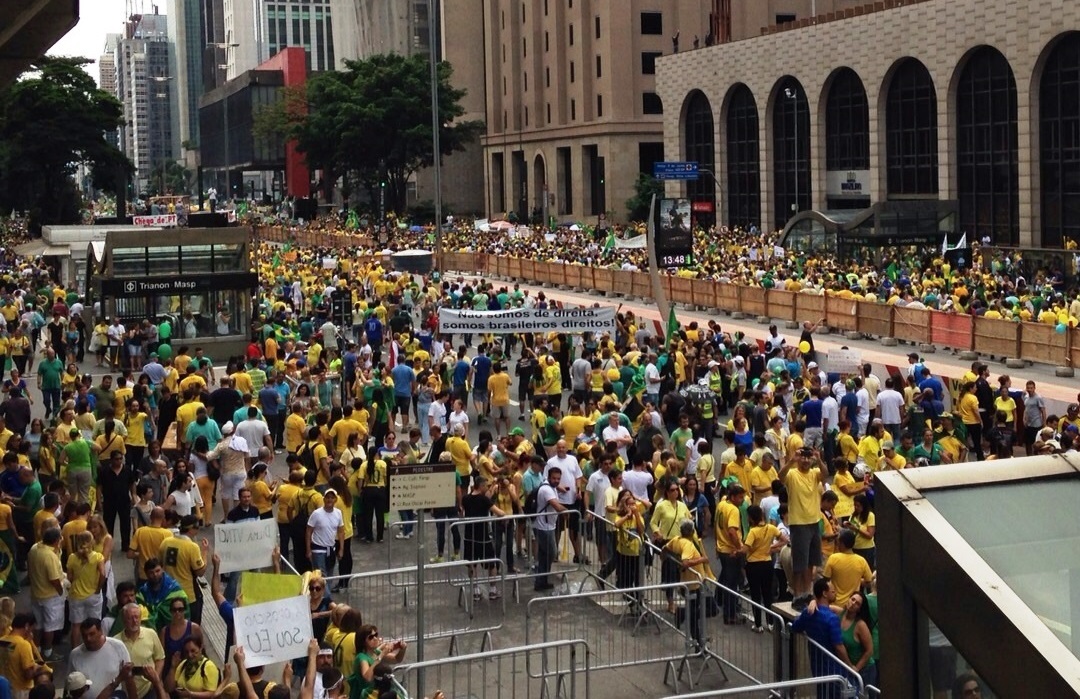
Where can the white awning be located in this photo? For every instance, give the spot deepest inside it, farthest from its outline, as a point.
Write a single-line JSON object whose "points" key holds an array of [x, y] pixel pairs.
{"points": [[39, 247]]}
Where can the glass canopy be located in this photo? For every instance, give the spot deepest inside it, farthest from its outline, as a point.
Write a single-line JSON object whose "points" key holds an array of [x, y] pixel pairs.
{"points": [[1030, 536]]}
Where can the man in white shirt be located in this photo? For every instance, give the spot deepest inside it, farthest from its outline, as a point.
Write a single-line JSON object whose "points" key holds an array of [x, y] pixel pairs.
{"points": [[570, 485], [863, 397], [330, 334], [255, 432], [99, 658], [652, 381], [615, 432], [325, 534], [638, 480], [115, 338], [891, 405], [548, 508], [830, 421]]}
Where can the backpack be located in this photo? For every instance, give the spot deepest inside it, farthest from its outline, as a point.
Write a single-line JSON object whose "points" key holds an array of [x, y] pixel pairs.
{"points": [[532, 501], [307, 457]]}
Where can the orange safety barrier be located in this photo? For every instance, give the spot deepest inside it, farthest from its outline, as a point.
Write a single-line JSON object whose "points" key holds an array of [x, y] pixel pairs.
{"points": [[809, 307], [780, 304], [573, 275], [1040, 342], [622, 282], [1000, 338], [703, 292], [753, 301], [1073, 357], [603, 279], [641, 285], [842, 313], [874, 319], [528, 270], [911, 324], [729, 297], [680, 290], [951, 330]]}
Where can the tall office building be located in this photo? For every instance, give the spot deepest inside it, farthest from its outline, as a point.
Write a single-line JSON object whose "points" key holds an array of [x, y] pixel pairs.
{"points": [[573, 113], [146, 88], [187, 45], [262, 28]]}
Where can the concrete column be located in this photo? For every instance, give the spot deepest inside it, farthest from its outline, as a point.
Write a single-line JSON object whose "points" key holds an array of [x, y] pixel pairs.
{"points": [[1027, 170], [816, 108], [946, 131], [765, 151]]}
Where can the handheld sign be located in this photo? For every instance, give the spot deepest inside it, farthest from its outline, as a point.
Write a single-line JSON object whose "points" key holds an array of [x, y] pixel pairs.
{"points": [[847, 361], [422, 486], [274, 632], [245, 545]]}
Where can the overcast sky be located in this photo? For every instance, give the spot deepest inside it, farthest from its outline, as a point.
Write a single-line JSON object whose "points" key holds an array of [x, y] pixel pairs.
{"points": [[87, 38]]}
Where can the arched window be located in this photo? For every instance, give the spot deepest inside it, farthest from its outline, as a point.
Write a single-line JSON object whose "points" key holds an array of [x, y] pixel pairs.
{"points": [[1059, 116], [911, 132], [743, 166], [847, 124], [791, 151], [986, 149], [700, 146]]}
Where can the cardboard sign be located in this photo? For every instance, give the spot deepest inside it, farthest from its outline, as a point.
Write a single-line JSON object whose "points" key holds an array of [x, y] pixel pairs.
{"points": [[847, 361], [245, 545], [158, 220], [274, 632]]}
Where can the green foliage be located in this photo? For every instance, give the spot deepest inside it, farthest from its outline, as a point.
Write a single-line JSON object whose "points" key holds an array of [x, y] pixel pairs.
{"points": [[372, 123], [644, 189], [50, 121]]}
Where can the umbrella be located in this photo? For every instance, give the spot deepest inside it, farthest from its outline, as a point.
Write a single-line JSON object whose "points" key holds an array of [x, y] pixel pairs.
{"points": [[575, 227], [500, 225], [416, 229]]}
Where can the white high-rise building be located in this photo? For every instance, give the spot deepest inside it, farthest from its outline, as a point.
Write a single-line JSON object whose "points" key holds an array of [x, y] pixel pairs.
{"points": [[261, 28], [147, 90]]}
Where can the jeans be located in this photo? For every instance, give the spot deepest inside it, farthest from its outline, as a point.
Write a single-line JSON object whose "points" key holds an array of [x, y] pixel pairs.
{"points": [[421, 416], [324, 560], [731, 568], [50, 399], [504, 536], [760, 576], [440, 515], [276, 424], [407, 516], [545, 555]]}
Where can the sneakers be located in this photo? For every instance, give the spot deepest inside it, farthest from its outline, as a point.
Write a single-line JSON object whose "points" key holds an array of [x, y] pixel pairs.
{"points": [[456, 557], [493, 593], [757, 629], [402, 535], [477, 593], [436, 559]]}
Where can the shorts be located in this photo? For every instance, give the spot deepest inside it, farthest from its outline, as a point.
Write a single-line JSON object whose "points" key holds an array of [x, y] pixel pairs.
{"points": [[1031, 434], [81, 610], [231, 483], [571, 517], [49, 613], [805, 546], [500, 412], [481, 395], [477, 550], [403, 403]]}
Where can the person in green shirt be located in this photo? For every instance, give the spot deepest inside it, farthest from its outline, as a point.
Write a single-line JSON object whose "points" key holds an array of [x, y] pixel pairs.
{"points": [[48, 382], [679, 437], [81, 466], [24, 509]]}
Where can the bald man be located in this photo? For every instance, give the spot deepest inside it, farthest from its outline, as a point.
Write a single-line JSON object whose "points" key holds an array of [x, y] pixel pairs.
{"points": [[146, 541]]}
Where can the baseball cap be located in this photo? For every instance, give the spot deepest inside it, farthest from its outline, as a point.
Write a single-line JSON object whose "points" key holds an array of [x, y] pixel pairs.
{"points": [[887, 446], [517, 432], [739, 360], [812, 365], [913, 355], [188, 521], [713, 363], [325, 650], [228, 428], [76, 681]]}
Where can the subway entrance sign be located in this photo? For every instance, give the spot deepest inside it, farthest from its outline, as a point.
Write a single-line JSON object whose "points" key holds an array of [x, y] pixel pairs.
{"points": [[675, 170]]}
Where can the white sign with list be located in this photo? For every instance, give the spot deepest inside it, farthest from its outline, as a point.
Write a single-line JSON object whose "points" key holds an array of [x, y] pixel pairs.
{"points": [[422, 486]]}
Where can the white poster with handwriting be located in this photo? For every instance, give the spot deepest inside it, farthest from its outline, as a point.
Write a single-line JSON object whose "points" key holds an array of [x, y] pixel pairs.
{"points": [[246, 545], [274, 632]]}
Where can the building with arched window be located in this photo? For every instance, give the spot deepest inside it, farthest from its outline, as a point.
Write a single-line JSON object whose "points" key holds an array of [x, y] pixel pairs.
{"points": [[944, 105]]}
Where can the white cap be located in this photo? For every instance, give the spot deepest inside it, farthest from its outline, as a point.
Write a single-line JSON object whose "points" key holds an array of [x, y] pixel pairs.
{"points": [[228, 427], [713, 363], [76, 681], [812, 365]]}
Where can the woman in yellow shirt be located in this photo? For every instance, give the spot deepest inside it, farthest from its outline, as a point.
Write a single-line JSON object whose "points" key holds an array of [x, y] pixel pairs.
{"points": [[846, 488], [1004, 403], [629, 531], [760, 543], [864, 525], [263, 494], [849, 448], [86, 573], [968, 409], [196, 673], [9, 536]]}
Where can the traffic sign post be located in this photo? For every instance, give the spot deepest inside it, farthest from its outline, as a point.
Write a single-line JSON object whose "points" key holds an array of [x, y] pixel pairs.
{"points": [[418, 487], [675, 170]]}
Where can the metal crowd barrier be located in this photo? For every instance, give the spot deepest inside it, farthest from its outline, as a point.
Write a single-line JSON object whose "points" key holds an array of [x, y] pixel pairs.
{"points": [[389, 596], [826, 662], [621, 626], [773, 689], [872, 691], [502, 674]]}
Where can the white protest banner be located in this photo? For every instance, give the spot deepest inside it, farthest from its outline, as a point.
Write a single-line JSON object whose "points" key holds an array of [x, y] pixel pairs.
{"points": [[636, 243], [246, 545], [528, 320], [274, 632], [155, 220], [845, 361], [329, 263]]}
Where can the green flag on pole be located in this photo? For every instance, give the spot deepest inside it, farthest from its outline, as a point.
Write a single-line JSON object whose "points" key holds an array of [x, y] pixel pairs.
{"points": [[609, 244], [672, 329]]}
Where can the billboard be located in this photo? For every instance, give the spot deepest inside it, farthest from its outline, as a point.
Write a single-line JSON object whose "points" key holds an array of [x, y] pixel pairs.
{"points": [[674, 235]]}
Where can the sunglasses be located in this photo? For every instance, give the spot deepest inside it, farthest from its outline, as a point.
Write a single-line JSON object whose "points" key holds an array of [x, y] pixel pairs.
{"points": [[316, 588], [179, 609], [373, 634]]}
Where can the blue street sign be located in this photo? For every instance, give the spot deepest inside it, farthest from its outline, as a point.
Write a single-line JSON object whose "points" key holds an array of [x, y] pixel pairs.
{"points": [[673, 170]]}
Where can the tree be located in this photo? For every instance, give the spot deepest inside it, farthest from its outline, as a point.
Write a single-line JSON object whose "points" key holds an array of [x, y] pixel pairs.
{"points": [[644, 189], [371, 123], [50, 122]]}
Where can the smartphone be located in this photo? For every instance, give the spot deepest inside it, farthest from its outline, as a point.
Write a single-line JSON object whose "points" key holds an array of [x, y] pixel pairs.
{"points": [[138, 671]]}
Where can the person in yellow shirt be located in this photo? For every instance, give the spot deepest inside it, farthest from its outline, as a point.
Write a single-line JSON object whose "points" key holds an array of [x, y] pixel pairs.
{"points": [[499, 389], [573, 423], [344, 427], [761, 542], [460, 453], [846, 487], [146, 541], [182, 559], [968, 409], [692, 567], [664, 525], [295, 428], [846, 570], [803, 476], [373, 503], [729, 547], [741, 469], [18, 660], [86, 573], [890, 460], [286, 505], [870, 447], [761, 478]]}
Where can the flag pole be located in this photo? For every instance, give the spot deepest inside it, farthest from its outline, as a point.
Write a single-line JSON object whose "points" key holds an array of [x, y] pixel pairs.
{"points": [[654, 268]]}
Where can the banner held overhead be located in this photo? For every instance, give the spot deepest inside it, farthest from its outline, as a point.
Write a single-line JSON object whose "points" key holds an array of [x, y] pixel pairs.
{"points": [[528, 320]]}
